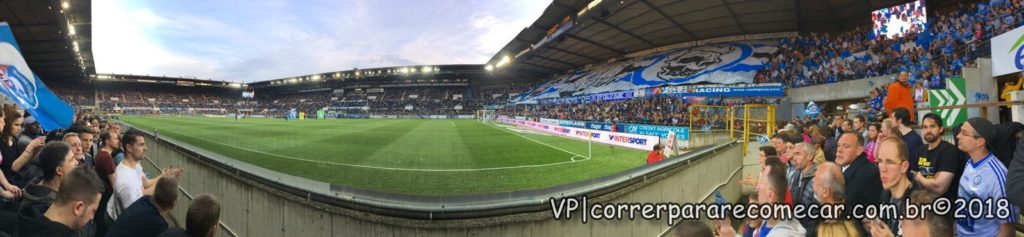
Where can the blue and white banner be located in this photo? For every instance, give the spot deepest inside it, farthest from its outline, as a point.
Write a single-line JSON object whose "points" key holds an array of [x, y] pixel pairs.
{"points": [[743, 90], [599, 126], [572, 123], [749, 90], [682, 133], [23, 87], [549, 121], [608, 96], [643, 142], [812, 110], [723, 63]]}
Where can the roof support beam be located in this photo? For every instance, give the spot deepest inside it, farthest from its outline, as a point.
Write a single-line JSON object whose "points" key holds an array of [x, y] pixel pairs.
{"points": [[735, 18], [556, 60], [835, 16], [571, 53], [50, 60], [799, 22], [541, 66], [624, 31], [609, 48], [564, 7], [47, 51], [673, 21], [526, 73], [52, 41], [34, 25]]}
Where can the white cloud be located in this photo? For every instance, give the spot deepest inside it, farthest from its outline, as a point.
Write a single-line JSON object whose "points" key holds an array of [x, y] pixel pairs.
{"points": [[121, 46], [268, 39]]}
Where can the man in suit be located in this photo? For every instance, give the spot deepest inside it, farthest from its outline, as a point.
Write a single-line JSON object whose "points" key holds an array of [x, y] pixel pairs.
{"points": [[863, 185]]}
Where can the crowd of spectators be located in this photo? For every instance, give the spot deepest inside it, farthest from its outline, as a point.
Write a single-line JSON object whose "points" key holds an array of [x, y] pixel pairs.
{"points": [[949, 42], [167, 102], [706, 113], [88, 180], [75, 97], [842, 162]]}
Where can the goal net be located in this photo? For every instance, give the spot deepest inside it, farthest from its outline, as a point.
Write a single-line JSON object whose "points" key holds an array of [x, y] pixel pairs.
{"points": [[485, 116]]}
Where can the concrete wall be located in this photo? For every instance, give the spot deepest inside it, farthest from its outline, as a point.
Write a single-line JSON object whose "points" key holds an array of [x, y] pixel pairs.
{"points": [[979, 81], [251, 209], [701, 139], [836, 91]]}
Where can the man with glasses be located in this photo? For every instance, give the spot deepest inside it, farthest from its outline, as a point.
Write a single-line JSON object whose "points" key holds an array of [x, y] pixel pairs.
{"points": [[892, 167], [984, 178]]}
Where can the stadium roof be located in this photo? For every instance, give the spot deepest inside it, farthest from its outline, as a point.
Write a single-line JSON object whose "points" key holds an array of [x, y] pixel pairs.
{"points": [[48, 31], [606, 29]]}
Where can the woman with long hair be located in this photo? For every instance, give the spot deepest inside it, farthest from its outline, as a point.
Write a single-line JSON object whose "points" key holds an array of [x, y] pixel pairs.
{"points": [[7, 190], [888, 129], [11, 124], [872, 143]]}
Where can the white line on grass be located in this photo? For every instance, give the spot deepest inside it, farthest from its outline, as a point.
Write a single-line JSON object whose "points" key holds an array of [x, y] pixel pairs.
{"points": [[571, 160], [453, 123], [527, 138]]}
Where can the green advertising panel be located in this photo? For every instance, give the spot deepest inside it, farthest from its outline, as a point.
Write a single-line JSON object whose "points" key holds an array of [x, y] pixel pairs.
{"points": [[952, 95]]}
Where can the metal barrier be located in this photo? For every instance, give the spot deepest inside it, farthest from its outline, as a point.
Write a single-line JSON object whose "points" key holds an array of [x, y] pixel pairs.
{"points": [[745, 123], [225, 228], [758, 120]]}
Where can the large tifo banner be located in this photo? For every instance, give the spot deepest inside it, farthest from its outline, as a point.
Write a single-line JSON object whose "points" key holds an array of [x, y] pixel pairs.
{"points": [[643, 142], [23, 87], [1008, 52], [724, 63]]}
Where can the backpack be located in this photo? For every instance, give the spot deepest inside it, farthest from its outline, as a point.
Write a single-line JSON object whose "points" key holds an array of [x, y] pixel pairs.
{"points": [[1006, 141]]}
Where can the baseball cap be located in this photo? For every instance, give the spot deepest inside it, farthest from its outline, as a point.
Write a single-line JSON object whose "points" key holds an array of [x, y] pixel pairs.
{"points": [[984, 128]]}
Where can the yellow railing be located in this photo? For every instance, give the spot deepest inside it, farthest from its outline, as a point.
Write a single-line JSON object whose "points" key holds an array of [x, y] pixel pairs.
{"points": [[745, 122]]}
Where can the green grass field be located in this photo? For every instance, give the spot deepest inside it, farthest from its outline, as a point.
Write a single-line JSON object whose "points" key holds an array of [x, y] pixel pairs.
{"points": [[422, 157]]}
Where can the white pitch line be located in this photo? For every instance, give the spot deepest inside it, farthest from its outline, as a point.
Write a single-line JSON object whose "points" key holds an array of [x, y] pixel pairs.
{"points": [[453, 123], [571, 160], [527, 138]]}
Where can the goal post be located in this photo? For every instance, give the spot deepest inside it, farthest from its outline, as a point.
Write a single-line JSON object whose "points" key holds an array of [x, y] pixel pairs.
{"points": [[485, 115]]}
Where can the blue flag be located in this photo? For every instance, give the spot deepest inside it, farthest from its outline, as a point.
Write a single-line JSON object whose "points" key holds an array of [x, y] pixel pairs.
{"points": [[23, 87]]}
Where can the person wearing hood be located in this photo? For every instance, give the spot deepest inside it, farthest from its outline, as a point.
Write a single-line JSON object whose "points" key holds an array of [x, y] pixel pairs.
{"points": [[72, 209]]}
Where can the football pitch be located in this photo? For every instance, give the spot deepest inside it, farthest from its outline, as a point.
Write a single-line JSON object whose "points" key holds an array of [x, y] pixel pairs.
{"points": [[409, 156]]}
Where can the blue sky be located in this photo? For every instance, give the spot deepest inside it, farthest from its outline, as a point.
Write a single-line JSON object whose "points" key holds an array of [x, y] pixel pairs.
{"points": [[255, 40]]}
